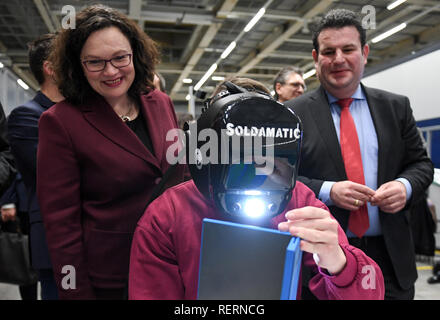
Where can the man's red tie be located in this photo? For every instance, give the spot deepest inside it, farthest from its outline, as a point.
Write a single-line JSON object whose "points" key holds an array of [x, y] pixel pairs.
{"points": [[358, 222]]}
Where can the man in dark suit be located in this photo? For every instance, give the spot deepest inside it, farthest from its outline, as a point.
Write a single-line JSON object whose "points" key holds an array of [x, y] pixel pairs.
{"points": [[7, 166], [361, 153], [23, 137]]}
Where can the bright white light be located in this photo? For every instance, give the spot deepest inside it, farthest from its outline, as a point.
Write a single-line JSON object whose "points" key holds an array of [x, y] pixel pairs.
{"points": [[389, 33], [395, 4], [187, 80], [272, 93], [254, 20], [205, 77], [1, 65], [254, 207], [228, 50], [22, 84], [309, 74], [217, 78], [187, 97], [252, 192]]}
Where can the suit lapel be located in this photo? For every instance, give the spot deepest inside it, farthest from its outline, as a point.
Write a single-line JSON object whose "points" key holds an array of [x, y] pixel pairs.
{"points": [[320, 110], [152, 118], [101, 116]]}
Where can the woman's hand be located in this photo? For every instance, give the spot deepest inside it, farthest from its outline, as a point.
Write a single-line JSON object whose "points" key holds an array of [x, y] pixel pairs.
{"points": [[319, 235]]}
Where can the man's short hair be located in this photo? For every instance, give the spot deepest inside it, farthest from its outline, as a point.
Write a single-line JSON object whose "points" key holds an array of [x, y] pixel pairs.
{"points": [[38, 51], [282, 76], [339, 18]]}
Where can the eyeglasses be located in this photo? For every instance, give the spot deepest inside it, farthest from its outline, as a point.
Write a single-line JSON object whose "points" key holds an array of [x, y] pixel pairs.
{"points": [[100, 64], [297, 85]]}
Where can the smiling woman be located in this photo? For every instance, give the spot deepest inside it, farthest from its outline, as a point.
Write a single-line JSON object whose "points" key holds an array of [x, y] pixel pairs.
{"points": [[101, 151], [106, 59]]}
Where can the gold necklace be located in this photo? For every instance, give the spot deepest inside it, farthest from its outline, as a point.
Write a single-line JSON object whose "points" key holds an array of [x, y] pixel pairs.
{"points": [[125, 117]]}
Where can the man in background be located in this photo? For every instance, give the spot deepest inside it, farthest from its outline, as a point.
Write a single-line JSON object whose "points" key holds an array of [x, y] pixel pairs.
{"points": [[288, 84], [159, 82], [7, 167], [23, 137]]}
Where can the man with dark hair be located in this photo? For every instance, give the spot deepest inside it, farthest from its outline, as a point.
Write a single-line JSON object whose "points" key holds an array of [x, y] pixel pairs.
{"points": [[38, 51], [338, 19], [362, 154], [288, 84], [23, 137]]}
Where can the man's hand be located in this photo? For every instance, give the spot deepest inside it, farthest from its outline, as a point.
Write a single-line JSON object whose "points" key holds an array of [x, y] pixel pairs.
{"points": [[8, 214], [319, 234], [390, 197], [350, 195]]}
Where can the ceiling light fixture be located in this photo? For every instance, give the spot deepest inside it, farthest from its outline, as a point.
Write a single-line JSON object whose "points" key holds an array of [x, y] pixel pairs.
{"points": [[187, 80], [205, 77], [228, 50], [395, 4], [233, 44], [389, 33], [22, 84], [254, 20], [309, 74], [218, 78], [1, 65]]}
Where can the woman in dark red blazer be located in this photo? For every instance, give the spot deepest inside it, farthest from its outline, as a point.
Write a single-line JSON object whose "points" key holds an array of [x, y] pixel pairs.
{"points": [[101, 151]]}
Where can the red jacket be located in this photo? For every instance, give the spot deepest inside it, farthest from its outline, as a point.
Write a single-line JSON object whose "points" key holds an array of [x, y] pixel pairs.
{"points": [[164, 260], [94, 178]]}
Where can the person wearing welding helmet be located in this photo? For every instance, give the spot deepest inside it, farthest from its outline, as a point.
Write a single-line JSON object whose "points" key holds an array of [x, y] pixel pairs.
{"points": [[250, 180]]}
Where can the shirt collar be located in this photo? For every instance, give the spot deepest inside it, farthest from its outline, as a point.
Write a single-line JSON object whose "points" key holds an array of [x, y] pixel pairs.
{"points": [[357, 95], [43, 100]]}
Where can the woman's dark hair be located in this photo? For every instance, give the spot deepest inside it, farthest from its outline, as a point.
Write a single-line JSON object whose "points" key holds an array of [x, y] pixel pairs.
{"points": [[339, 18], [67, 47]]}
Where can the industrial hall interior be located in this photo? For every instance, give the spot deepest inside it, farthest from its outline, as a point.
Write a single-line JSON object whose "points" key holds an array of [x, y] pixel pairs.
{"points": [[335, 175]]}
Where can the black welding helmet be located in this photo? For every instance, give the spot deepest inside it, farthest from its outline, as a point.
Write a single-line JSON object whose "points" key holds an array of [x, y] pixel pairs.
{"points": [[243, 152]]}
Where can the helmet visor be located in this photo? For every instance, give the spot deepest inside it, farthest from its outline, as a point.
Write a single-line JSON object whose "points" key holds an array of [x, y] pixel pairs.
{"points": [[257, 190], [274, 174]]}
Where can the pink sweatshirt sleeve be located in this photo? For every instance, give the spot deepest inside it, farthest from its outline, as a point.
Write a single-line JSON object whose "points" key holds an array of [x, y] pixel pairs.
{"points": [[154, 272], [361, 279]]}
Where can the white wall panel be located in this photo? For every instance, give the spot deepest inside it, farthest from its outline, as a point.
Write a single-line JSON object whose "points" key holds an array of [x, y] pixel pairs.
{"points": [[418, 79]]}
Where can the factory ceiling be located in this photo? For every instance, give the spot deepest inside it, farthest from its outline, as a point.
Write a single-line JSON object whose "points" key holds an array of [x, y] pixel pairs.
{"points": [[193, 34]]}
